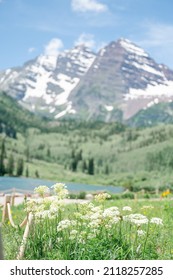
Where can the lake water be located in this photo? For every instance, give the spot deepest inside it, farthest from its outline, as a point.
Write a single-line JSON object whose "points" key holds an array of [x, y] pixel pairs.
{"points": [[28, 184]]}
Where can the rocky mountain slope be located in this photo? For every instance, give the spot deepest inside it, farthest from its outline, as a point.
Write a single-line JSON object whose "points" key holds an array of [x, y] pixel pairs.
{"points": [[114, 84]]}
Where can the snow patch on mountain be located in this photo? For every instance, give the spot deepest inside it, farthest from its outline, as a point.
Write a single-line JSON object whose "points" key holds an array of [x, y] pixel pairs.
{"points": [[69, 110], [132, 48], [159, 90], [37, 88], [67, 84], [147, 68], [47, 73], [47, 61], [109, 108]]}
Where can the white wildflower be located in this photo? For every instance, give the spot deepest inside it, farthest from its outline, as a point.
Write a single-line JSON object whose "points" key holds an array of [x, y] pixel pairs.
{"points": [[82, 241], [91, 236], [140, 232], [115, 220], [145, 207], [94, 224], [85, 207], [60, 190], [64, 224], [31, 205], [73, 234], [101, 197], [110, 222], [86, 217], [42, 190], [96, 209], [136, 219], [96, 216], [111, 212], [46, 202], [108, 226], [43, 214], [56, 205], [156, 221], [127, 208]]}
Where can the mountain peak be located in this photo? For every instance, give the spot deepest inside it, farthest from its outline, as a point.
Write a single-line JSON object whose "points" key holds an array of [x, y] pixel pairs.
{"points": [[132, 47], [82, 46], [47, 61], [113, 84]]}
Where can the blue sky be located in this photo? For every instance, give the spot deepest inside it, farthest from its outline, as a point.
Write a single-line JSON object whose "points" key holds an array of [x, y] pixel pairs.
{"points": [[31, 27]]}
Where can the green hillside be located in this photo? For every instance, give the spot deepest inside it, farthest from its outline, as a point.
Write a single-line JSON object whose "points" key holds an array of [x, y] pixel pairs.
{"points": [[14, 118], [85, 152], [159, 113]]}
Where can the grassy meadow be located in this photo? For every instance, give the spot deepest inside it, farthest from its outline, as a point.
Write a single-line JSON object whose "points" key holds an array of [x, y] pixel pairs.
{"points": [[101, 229]]}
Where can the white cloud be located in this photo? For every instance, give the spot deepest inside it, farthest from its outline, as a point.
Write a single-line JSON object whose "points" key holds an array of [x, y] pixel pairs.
{"points": [[157, 34], [53, 47], [87, 40], [88, 6]]}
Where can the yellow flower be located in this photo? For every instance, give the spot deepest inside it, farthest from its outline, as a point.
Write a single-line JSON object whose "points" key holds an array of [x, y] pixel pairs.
{"points": [[165, 193]]}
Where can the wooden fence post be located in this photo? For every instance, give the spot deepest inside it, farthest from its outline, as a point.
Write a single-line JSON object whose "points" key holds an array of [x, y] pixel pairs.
{"points": [[1, 248], [25, 237], [13, 199], [5, 209]]}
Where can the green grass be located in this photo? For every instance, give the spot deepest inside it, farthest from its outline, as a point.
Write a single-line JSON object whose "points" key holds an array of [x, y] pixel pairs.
{"points": [[121, 243]]}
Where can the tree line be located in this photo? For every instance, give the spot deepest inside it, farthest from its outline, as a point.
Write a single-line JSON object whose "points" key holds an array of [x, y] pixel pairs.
{"points": [[7, 165], [87, 165]]}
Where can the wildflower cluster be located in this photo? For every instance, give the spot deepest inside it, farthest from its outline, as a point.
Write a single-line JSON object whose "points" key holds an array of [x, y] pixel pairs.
{"points": [[42, 190], [101, 197], [47, 207], [91, 222], [60, 190], [92, 231], [136, 219]]}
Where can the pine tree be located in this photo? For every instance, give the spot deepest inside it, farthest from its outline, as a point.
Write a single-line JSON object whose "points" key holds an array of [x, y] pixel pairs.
{"points": [[79, 155], [2, 157], [36, 174], [20, 166], [48, 153], [10, 165], [27, 172], [84, 166], [107, 169], [74, 164], [27, 153], [91, 166]]}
